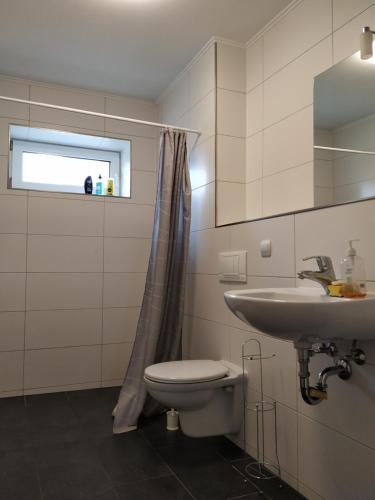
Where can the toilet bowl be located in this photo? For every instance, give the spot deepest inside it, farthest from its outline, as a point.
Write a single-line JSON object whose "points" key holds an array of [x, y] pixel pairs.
{"points": [[208, 394]]}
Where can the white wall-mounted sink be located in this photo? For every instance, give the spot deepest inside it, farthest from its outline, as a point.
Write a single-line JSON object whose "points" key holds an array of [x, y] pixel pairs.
{"points": [[304, 313]]}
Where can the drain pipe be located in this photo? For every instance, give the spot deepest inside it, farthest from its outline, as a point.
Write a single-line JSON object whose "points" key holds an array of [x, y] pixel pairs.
{"points": [[304, 355], [342, 368]]}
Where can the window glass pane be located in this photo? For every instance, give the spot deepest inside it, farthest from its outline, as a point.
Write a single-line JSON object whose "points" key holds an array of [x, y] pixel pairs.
{"points": [[63, 170]]}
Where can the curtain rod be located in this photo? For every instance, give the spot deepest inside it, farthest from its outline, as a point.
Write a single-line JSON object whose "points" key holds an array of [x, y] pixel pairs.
{"points": [[102, 115]]}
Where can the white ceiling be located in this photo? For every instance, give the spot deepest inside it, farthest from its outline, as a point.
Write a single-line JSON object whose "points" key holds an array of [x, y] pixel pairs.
{"points": [[133, 47]]}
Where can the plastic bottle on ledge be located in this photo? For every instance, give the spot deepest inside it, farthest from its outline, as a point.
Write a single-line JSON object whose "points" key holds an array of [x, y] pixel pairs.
{"points": [[99, 185], [110, 186], [353, 274]]}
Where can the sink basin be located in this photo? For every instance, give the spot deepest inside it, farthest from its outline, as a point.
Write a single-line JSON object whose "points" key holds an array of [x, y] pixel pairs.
{"points": [[304, 313]]}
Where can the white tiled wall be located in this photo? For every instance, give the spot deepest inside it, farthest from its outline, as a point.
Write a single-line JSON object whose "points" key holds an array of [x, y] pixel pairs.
{"points": [[230, 133], [326, 451], [72, 268]]}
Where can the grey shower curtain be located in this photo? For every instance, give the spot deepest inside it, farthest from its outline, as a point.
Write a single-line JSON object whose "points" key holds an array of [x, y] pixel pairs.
{"points": [[159, 329]]}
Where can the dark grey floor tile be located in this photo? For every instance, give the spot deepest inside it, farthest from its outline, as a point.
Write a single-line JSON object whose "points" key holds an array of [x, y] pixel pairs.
{"points": [[51, 419], [14, 424], [206, 474], [93, 408], [251, 496], [274, 488], [128, 457], [61, 454], [165, 488], [74, 481], [18, 476]]}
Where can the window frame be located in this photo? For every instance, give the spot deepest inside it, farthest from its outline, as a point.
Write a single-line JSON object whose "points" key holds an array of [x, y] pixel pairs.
{"points": [[19, 146]]}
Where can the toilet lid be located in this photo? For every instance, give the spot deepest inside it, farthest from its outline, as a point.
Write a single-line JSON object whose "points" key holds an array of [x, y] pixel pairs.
{"points": [[190, 371]]}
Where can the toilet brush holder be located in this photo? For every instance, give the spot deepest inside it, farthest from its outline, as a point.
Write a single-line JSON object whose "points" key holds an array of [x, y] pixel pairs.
{"points": [[172, 420]]}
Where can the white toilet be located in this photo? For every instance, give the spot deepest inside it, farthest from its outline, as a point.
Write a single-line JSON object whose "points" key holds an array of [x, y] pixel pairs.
{"points": [[208, 394]]}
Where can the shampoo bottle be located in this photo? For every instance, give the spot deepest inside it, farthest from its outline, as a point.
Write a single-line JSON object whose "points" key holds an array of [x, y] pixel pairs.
{"points": [[88, 185], [353, 274], [99, 185]]}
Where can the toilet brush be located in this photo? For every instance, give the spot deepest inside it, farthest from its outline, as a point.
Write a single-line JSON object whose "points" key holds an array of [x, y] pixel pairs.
{"points": [[172, 420]]}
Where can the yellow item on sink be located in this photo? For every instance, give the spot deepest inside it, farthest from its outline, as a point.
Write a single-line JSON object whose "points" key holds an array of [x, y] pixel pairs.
{"points": [[336, 289]]}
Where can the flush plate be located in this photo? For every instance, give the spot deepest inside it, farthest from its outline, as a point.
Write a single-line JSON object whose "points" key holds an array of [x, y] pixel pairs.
{"points": [[232, 266]]}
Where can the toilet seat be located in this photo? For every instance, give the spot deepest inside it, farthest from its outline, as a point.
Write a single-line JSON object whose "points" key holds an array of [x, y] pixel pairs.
{"points": [[186, 372]]}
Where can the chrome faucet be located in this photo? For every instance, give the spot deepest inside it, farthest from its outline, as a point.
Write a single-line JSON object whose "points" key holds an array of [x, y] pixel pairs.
{"points": [[326, 274]]}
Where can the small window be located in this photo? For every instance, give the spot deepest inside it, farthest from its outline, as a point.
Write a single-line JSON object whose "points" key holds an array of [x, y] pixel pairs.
{"points": [[64, 166]]}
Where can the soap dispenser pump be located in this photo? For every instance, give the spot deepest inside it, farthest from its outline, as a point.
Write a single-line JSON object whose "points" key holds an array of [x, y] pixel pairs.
{"points": [[353, 273]]}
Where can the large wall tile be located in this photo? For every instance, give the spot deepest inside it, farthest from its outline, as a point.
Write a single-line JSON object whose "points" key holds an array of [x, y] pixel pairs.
{"points": [[64, 291], [202, 116], [202, 163], [143, 189], [281, 233], [308, 23], [289, 143], [230, 202], [345, 10], [231, 73], [204, 249], [123, 289], [254, 157], [63, 328], [177, 100], [11, 371], [63, 366], [13, 214], [12, 88], [230, 165], [253, 195], [65, 217], [144, 154], [128, 220], [126, 255], [115, 360], [203, 207], [12, 331], [231, 113], [12, 253], [12, 291], [204, 339], [64, 254], [68, 98], [254, 111], [342, 465], [254, 64], [120, 324], [292, 88], [288, 191], [205, 297], [202, 76]]}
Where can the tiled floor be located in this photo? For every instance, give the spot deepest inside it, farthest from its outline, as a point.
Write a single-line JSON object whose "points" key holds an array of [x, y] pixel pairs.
{"points": [[61, 447]]}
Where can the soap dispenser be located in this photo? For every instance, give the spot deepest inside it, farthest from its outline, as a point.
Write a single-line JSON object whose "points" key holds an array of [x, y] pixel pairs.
{"points": [[353, 273]]}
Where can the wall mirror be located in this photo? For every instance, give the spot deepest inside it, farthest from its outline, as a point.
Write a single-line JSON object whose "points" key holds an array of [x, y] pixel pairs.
{"points": [[343, 166], [344, 132]]}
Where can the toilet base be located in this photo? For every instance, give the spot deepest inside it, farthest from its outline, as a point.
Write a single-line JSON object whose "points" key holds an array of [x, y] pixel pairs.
{"points": [[222, 415]]}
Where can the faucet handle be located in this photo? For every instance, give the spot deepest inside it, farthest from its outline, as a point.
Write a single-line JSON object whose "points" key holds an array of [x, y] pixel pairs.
{"points": [[324, 262]]}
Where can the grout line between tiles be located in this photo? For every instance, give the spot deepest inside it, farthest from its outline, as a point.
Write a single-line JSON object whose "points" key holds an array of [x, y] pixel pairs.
{"points": [[167, 465]]}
